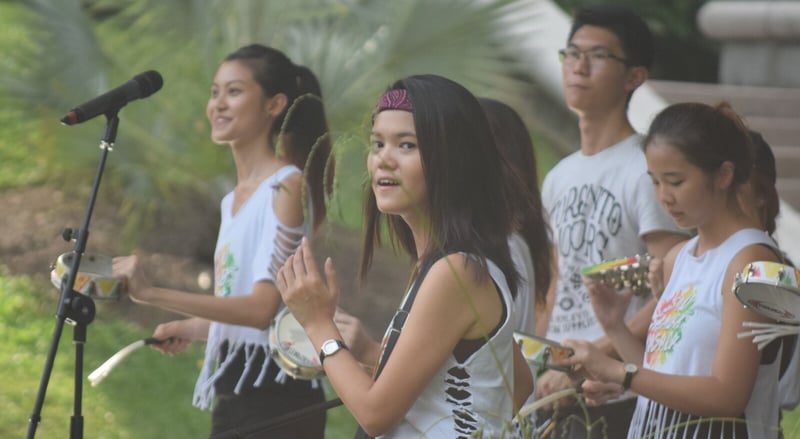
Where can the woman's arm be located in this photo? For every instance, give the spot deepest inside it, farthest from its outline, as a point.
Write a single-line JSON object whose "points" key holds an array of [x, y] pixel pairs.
{"points": [[623, 339], [627, 340], [727, 390], [441, 316], [544, 311], [176, 335], [523, 379], [366, 349], [443, 313], [256, 309]]}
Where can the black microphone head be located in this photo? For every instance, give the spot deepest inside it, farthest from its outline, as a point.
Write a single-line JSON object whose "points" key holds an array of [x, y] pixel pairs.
{"points": [[141, 86], [149, 82]]}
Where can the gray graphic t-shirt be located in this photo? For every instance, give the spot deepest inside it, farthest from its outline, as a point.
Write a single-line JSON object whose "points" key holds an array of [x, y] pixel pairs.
{"points": [[600, 208]]}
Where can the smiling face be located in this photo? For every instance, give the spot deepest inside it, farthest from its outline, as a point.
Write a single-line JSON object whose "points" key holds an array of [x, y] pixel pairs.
{"points": [[598, 79], [237, 107], [683, 189], [395, 166]]}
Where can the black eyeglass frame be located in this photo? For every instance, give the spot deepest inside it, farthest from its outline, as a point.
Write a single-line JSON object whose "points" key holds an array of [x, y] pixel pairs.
{"points": [[562, 55]]}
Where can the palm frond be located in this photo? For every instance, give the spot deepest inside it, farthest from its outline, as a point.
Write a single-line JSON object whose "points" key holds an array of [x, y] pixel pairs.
{"points": [[356, 48]]}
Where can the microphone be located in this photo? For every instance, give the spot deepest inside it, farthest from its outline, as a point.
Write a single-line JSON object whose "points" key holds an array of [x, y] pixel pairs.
{"points": [[141, 86]]}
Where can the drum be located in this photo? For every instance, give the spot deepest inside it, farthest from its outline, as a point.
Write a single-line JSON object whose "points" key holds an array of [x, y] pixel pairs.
{"points": [[770, 289], [291, 348], [94, 278], [622, 273]]}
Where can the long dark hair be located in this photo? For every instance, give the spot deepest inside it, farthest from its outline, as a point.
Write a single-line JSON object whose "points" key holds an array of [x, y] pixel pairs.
{"points": [[301, 130], [468, 208], [522, 186], [707, 136], [763, 178]]}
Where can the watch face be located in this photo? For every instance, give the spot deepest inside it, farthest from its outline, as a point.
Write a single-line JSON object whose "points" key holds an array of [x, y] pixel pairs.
{"points": [[631, 368], [330, 347]]}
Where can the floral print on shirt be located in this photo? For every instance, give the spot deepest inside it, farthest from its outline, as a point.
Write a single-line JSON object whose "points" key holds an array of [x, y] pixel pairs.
{"points": [[225, 271], [666, 329]]}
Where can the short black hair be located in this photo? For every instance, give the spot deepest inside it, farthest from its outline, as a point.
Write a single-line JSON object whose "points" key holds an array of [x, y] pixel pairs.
{"points": [[633, 33]]}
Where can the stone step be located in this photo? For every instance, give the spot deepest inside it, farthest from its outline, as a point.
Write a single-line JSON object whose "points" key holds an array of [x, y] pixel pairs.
{"points": [[776, 130], [789, 190], [787, 160], [746, 100]]}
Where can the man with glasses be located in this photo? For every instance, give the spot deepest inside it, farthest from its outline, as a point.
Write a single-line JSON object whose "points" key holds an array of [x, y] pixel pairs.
{"points": [[601, 204]]}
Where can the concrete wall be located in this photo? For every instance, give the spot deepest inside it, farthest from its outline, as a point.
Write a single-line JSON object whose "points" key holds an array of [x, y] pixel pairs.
{"points": [[760, 41]]}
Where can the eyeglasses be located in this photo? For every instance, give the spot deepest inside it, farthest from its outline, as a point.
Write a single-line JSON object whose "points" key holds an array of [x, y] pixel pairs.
{"points": [[595, 57]]}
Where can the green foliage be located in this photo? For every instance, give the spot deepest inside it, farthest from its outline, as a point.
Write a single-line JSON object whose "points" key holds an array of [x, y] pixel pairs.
{"points": [[791, 424], [81, 49], [18, 165], [18, 162]]}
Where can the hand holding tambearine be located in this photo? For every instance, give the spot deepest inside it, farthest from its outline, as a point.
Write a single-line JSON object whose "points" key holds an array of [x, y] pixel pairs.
{"points": [[135, 281], [309, 297], [591, 363]]}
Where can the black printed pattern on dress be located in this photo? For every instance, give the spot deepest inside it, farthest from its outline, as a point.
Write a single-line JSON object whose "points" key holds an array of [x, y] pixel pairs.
{"points": [[460, 399]]}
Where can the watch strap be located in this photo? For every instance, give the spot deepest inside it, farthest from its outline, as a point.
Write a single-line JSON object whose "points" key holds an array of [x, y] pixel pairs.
{"points": [[630, 371], [339, 346]]}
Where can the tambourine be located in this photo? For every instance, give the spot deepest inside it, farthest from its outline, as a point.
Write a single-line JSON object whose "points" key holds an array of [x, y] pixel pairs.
{"points": [[292, 350], [539, 352], [770, 289], [622, 273], [94, 278]]}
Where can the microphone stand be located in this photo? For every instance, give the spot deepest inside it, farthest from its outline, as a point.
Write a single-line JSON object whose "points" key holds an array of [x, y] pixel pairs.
{"points": [[74, 308]]}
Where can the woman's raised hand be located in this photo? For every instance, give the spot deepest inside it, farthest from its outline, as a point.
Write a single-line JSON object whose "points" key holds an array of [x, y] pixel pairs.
{"points": [[135, 281], [591, 363], [609, 304], [308, 296]]}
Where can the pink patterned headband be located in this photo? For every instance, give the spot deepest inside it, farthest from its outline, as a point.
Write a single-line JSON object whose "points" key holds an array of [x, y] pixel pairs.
{"points": [[395, 100]]}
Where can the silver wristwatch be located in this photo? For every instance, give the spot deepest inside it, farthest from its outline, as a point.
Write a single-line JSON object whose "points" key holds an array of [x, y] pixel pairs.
{"points": [[330, 347]]}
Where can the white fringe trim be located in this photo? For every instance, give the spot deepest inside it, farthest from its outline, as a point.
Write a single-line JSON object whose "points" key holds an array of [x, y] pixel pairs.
{"points": [[204, 393]]}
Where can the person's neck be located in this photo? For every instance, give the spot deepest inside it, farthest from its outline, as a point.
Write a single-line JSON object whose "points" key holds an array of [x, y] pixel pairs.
{"points": [[601, 131], [715, 232], [420, 230], [254, 162]]}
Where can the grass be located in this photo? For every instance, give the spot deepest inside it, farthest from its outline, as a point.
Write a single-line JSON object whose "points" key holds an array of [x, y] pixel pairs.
{"points": [[791, 424], [148, 395]]}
